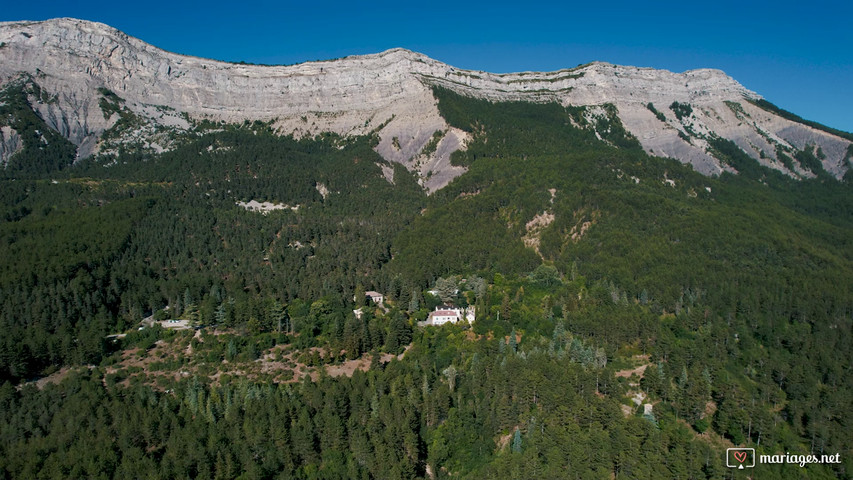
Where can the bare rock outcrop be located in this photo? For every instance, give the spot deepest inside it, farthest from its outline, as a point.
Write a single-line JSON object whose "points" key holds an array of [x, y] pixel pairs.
{"points": [[10, 142], [77, 61]]}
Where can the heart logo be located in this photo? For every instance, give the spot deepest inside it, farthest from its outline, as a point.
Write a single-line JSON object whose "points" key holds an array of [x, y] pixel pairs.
{"points": [[740, 456]]}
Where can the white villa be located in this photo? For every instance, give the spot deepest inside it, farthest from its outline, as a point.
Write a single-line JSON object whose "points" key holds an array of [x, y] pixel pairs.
{"points": [[375, 297], [445, 314]]}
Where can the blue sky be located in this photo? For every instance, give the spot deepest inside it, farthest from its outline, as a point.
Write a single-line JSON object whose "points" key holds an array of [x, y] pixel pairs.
{"points": [[798, 55]]}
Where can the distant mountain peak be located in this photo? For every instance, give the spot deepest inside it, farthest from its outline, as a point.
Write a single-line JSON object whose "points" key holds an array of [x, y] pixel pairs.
{"points": [[75, 61]]}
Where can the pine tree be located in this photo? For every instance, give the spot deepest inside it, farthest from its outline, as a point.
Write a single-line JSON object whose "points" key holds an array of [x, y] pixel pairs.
{"points": [[651, 381], [276, 315], [192, 314], [208, 411], [254, 325], [352, 339], [559, 332], [446, 288], [414, 304], [219, 315], [600, 358], [359, 298], [516, 441], [664, 384], [188, 299], [450, 374], [231, 350], [216, 293], [506, 308]]}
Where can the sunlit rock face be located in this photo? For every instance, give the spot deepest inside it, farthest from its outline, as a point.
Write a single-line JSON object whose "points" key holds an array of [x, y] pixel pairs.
{"points": [[75, 62]]}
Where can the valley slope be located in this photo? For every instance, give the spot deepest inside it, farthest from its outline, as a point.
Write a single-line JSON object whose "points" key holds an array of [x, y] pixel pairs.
{"points": [[660, 266]]}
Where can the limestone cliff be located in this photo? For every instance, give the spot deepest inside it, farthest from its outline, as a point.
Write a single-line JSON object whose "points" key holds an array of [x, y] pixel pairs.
{"points": [[95, 75]]}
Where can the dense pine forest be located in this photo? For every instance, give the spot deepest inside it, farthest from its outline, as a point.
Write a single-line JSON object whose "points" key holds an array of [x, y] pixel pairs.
{"points": [[634, 318]]}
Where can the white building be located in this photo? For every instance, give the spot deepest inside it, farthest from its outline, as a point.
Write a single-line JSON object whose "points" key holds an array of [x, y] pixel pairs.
{"points": [[440, 317], [376, 297], [445, 314]]}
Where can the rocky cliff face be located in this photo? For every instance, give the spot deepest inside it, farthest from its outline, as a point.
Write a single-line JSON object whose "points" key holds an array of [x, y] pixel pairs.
{"points": [[94, 76]]}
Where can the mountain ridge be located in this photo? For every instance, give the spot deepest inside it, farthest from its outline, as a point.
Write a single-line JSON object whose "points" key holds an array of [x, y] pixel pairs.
{"points": [[387, 93]]}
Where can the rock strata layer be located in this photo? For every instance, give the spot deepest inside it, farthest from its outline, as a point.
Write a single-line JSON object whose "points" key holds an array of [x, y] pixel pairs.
{"points": [[75, 61]]}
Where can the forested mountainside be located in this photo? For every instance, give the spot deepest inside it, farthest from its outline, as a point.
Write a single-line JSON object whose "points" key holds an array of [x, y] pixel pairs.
{"points": [[634, 318]]}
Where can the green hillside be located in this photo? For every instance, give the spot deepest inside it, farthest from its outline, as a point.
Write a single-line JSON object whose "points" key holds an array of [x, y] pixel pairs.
{"points": [[599, 274]]}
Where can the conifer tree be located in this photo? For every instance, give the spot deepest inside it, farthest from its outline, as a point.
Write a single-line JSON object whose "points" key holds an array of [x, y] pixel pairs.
{"points": [[516, 441]]}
